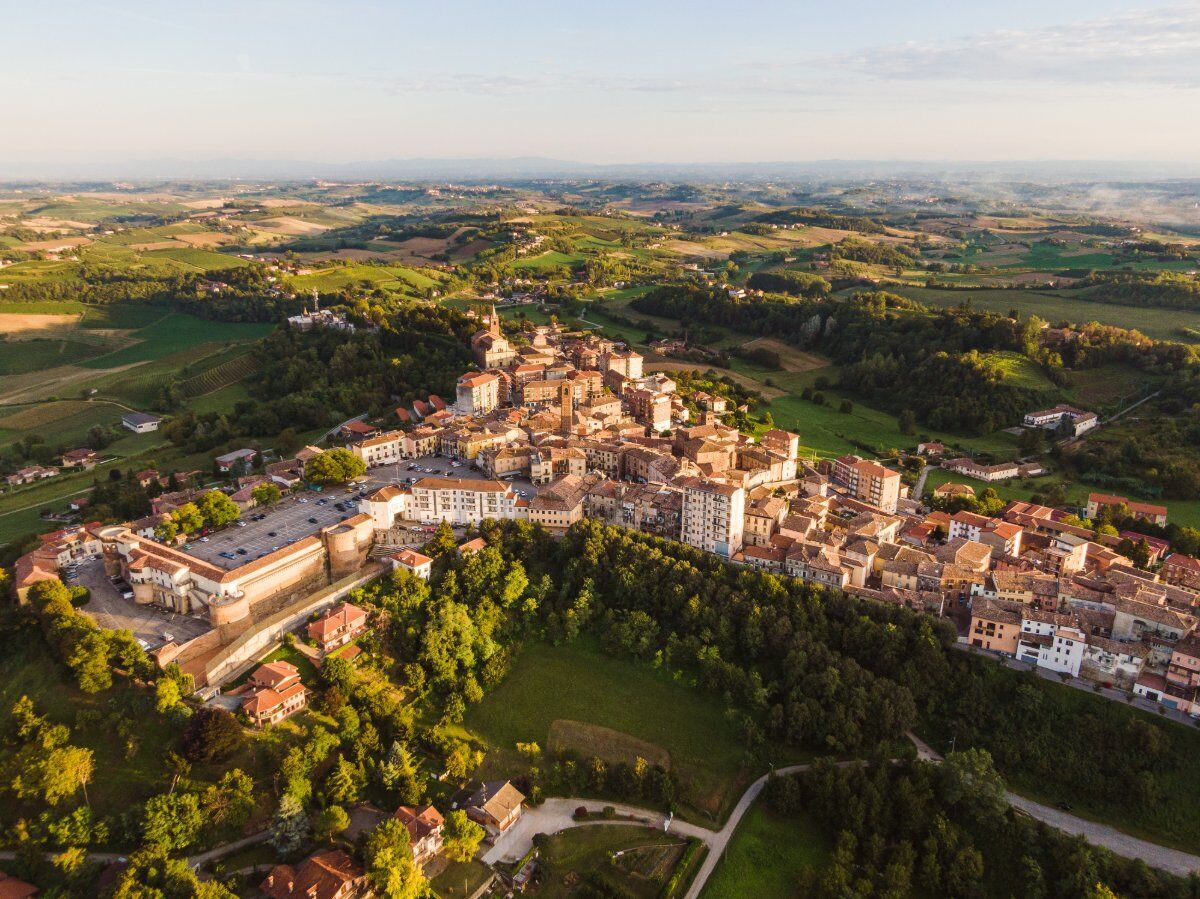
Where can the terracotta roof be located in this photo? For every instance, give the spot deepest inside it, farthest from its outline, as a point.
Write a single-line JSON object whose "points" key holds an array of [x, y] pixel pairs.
{"points": [[12, 888], [410, 558], [420, 822], [319, 877], [475, 484], [272, 674], [263, 701], [343, 615]]}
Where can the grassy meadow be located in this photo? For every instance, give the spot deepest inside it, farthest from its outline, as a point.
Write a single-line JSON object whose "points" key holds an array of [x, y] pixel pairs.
{"points": [[578, 683], [766, 855]]}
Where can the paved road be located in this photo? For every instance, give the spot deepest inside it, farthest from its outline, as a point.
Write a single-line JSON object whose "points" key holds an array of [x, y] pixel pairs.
{"points": [[918, 489], [1139, 702], [1170, 860], [195, 861], [556, 815]]}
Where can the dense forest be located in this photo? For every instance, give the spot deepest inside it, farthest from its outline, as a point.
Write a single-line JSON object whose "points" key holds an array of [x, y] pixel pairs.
{"points": [[819, 218], [946, 830], [837, 674], [1170, 290]]}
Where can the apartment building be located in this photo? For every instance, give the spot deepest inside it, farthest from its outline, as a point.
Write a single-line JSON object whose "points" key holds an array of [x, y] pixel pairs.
{"points": [[868, 481], [382, 449], [477, 393], [713, 515]]}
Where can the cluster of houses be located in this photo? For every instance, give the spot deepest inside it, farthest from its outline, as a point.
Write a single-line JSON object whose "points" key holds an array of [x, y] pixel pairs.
{"points": [[335, 874]]}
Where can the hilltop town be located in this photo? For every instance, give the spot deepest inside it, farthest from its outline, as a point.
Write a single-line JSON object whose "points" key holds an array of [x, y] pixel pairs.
{"points": [[593, 517]]}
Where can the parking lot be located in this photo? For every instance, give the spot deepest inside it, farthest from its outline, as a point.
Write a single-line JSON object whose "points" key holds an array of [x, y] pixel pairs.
{"points": [[111, 610], [263, 530]]}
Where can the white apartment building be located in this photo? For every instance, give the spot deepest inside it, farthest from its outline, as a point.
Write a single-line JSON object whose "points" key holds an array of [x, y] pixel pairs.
{"points": [[1050, 645], [713, 516], [460, 501], [477, 393]]}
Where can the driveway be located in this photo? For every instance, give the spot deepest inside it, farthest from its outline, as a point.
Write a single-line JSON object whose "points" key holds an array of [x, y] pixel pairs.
{"points": [[556, 815]]}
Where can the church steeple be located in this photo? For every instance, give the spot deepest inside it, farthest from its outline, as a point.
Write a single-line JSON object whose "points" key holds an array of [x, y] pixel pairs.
{"points": [[494, 322]]}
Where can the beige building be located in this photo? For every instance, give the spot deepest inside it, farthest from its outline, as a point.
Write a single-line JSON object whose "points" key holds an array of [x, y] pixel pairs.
{"points": [[383, 449], [868, 481]]}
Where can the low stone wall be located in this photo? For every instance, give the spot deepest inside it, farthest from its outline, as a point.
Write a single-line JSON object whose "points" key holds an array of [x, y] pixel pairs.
{"points": [[259, 637]]}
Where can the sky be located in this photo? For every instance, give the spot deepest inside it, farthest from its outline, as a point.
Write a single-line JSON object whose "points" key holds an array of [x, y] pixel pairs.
{"points": [[604, 82]]}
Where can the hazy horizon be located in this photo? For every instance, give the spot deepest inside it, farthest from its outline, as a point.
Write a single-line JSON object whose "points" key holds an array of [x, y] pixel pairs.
{"points": [[663, 84]]}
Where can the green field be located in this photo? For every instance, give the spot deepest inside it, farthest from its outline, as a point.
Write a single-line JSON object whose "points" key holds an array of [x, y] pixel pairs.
{"points": [[825, 431], [549, 259], [18, 356], [177, 331], [387, 277], [1064, 305], [1020, 370], [197, 260], [766, 856], [577, 682]]}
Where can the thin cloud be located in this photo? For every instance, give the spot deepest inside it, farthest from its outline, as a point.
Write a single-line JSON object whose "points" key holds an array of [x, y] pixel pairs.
{"points": [[1152, 47]]}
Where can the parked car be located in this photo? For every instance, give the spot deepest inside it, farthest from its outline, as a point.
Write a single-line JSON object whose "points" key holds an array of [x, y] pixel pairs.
{"points": [[312, 521], [241, 552]]}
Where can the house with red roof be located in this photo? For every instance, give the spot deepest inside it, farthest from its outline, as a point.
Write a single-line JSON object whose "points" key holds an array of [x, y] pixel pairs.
{"points": [[338, 626], [327, 875], [424, 831], [275, 693]]}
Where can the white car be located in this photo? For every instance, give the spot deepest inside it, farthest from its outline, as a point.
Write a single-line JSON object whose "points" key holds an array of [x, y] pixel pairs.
{"points": [[303, 500], [203, 539]]}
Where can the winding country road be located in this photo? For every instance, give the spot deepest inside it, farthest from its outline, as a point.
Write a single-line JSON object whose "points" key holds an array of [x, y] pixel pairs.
{"points": [[555, 815]]}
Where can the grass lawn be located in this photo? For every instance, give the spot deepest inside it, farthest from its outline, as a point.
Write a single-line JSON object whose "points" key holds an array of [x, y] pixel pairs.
{"points": [[1020, 370], [222, 400], [579, 683], [18, 356], [766, 855], [648, 856], [461, 879], [825, 431], [308, 671]]}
